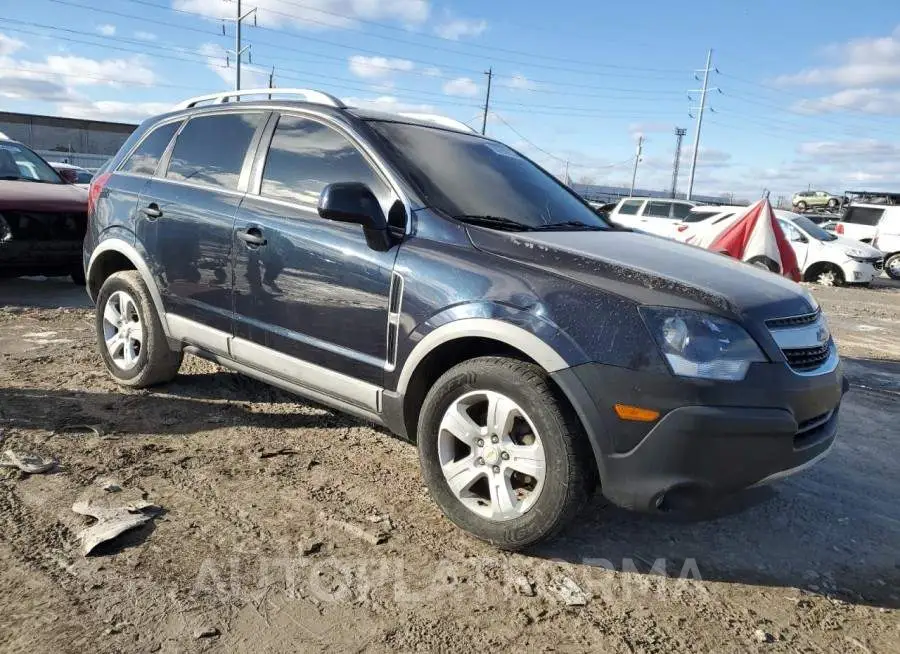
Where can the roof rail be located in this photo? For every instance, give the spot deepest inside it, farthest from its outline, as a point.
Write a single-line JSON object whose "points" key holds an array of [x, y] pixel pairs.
{"points": [[308, 95], [443, 121]]}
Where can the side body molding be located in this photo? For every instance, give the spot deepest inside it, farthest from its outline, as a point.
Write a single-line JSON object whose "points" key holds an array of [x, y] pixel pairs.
{"points": [[130, 252], [499, 330]]}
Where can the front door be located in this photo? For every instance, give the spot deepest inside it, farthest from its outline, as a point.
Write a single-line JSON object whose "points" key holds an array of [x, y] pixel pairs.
{"points": [[192, 206], [309, 290]]}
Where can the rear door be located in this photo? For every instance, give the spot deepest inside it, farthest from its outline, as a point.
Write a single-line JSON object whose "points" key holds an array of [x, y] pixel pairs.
{"points": [[657, 218], [192, 202], [312, 293]]}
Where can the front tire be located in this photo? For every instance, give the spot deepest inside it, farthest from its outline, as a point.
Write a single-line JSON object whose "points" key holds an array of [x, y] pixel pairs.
{"points": [[892, 266], [502, 452], [801, 206], [130, 336]]}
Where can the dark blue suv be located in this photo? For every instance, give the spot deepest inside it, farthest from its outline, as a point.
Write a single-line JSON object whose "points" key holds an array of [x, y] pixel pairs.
{"points": [[423, 277]]}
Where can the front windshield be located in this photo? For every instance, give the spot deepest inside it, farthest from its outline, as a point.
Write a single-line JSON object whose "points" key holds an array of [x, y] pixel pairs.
{"points": [[467, 176], [19, 163], [813, 229]]}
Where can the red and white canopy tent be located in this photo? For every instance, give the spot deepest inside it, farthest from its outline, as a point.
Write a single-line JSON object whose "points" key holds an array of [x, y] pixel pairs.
{"points": [[753, 236]]}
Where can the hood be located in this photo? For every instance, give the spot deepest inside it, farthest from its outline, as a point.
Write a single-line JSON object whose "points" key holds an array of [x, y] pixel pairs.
{"points": [[844, 244], [653, 271], [31, 196]]}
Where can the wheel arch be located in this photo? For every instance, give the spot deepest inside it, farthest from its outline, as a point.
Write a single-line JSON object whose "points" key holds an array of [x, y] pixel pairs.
{"points": [[114, 254], [460, 341], [812, 272]]}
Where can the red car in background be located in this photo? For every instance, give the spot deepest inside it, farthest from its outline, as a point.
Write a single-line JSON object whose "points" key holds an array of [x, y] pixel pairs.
{"points": [[43, 216]]}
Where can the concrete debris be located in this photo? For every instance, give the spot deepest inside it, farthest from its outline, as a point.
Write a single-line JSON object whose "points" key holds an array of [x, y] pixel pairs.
{"points": [[762, 637], [206, 632], [569, 592], [523, 586], [33, 464], [111, 520]]}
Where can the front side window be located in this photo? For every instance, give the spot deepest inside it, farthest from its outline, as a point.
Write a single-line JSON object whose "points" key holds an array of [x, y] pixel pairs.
{"points": [[211, 149], [305, 156], [470, 177], [145, 158], [658, 209], [19, 163], [630, 207]]}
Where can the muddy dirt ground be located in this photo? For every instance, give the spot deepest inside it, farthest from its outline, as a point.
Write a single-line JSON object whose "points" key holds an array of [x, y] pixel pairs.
{"points": [[287, 527]]}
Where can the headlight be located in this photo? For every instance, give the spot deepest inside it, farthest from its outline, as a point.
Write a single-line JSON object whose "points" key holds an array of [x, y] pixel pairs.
{"points": [[702, 345], [5, 231], [857, 254]]}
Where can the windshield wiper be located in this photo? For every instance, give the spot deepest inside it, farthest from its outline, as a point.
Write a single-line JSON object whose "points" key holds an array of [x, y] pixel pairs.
{"points": [[10, 178], [497, 222], [570, 225]]}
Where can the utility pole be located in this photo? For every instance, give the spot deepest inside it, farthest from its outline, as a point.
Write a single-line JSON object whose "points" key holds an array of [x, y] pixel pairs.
{"points": [[238, 50], [487, 100], [703, 92], [272, 80], [679, 135], [567, 172], [637, 159]]}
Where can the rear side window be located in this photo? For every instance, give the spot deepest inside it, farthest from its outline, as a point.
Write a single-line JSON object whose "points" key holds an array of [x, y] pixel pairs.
{"points": [[863, 215], [658, 209], [145, 159], [680, 210], [211, 149], [630, 207], [305, 156], [697, 216]]}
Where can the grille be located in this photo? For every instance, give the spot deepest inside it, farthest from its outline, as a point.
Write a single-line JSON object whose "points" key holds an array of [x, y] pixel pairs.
{"points": [[793, 321], [808, 358]]}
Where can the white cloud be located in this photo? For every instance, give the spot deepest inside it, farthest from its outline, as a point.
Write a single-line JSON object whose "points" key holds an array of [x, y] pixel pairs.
{"points": [[458, 28], [642, 129], [858, 151], [858, 63], [390, 104], [9, 45], [112, 109], [106, 29], [868, 100], [462, 86], [519, 82], [378, 68], [145, 36], [316, 14]]}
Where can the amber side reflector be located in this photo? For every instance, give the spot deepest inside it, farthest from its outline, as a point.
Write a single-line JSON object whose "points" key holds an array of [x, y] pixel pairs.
{"points": [[636, 413]]}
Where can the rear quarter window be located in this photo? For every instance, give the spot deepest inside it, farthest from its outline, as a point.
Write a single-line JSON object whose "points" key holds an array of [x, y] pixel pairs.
{"points": [[145, 158], [630, 207], [863, 216]]}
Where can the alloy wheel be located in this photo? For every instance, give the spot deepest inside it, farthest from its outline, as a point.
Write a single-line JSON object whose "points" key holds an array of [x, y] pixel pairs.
{"points": [[123, 332], [491, 455]]}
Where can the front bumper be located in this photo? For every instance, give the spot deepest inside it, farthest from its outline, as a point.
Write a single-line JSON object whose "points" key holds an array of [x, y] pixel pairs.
{"points": [[859, 272], [712, 439], [39, 257]]}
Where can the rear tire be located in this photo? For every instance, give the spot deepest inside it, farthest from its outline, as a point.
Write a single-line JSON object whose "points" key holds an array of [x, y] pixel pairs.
{"points": [[495, 500], [764, 262], [833, 204], [130, 336], [892, 266]]}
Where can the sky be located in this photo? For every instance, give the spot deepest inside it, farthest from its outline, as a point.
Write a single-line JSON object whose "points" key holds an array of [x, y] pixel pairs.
{"points": [[804, 93]]}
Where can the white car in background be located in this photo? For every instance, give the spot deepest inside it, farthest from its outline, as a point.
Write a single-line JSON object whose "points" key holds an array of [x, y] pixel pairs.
{"points": [[659, 216], [81, 176], [822, 257]]}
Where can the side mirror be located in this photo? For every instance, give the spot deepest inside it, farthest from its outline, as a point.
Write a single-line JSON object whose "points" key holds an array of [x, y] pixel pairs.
{"points": [[68, 175], [354, 202]]}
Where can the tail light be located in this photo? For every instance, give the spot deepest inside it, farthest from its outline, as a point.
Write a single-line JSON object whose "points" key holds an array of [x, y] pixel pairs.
{"points": [[96, 188], [839, 229]]}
